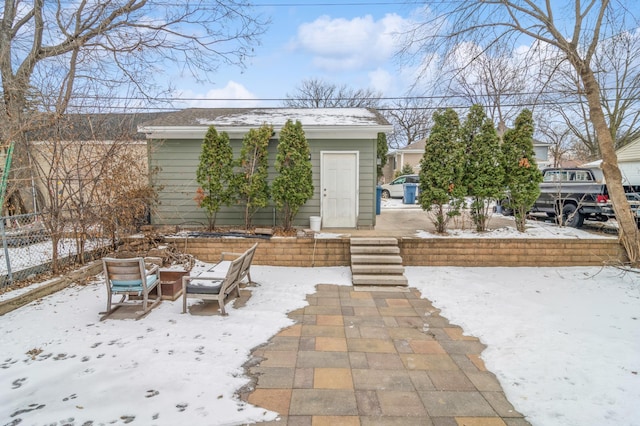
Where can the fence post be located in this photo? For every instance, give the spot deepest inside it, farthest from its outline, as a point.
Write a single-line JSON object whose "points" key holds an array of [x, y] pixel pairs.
{"points": [[6, 252]]}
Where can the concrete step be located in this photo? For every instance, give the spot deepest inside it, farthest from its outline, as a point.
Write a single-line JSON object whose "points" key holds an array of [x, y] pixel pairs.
{"points": [[372, 241], [377, 269], [375, 250], [382, 280], [375, 259]]}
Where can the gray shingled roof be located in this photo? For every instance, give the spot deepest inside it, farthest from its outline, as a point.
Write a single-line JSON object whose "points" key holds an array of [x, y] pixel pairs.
{"points": [[85, 127], [244, 117]]}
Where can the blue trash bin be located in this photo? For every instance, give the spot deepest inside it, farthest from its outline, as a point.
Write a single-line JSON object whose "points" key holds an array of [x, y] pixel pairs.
{"points": [[378, 199], [410, 190]]}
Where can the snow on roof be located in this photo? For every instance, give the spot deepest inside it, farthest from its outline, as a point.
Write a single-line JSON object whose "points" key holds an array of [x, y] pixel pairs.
{"points": [[278, 117], [319, 123], [242, 117]]}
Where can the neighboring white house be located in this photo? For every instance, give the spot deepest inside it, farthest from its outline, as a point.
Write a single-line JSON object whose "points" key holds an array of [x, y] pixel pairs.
{"points": [[628, 163]]}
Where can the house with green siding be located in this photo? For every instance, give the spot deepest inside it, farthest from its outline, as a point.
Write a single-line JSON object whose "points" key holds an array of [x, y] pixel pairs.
{"points": [[343, 145]]}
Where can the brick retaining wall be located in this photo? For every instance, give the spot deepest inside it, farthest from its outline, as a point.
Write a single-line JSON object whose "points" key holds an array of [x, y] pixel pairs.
{"points": [[510, 252], [307, 252]]}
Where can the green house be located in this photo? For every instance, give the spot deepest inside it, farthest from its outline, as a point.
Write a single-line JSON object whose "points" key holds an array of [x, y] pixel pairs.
{"points": [[343, 156]]}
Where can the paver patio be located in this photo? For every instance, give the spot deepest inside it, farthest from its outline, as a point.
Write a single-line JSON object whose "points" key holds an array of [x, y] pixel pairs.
{"points": [[376, 357]]}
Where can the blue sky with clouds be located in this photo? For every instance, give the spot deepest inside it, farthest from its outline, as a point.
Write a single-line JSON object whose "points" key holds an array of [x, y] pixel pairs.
{"points": [[342, 43]]}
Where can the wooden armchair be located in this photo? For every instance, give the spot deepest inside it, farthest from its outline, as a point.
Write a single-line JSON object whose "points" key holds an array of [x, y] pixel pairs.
{"points": [[220, 269], [129, 277], [209, 287]]}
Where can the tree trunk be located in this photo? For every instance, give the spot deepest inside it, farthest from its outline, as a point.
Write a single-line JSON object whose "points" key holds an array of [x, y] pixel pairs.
{"points": [[628, 229]]}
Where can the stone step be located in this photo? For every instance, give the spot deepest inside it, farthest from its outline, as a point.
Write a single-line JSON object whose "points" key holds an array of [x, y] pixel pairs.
{"points": [[375, 250], [377, 269], [375, 259], [382, 280], [372, 241]]}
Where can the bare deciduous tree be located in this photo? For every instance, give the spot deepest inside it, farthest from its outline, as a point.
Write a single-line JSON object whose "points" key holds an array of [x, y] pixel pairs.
{"points": [[559, 138], [496, 79], [576, 38], [93, 176], [616, 64], [316, 93], [58, 47], [411, 120]]}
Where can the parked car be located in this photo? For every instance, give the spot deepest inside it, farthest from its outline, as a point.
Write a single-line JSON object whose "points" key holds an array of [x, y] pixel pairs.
{"points": [[395, 189]]}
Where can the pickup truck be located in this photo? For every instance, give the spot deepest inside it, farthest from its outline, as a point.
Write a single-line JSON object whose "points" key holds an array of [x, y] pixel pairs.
{"points": [[634, 203], [573, 194]]}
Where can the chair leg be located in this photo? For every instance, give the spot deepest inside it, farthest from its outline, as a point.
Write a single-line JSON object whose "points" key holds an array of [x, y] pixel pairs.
{"points": [[221, 303], [184, 301]]}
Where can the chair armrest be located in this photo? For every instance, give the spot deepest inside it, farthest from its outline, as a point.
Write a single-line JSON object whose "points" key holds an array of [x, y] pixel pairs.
{"points": [[155, 269], [228, 253]]}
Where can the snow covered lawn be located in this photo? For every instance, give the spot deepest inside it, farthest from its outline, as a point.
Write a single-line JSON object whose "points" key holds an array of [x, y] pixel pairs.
{"points": [[564, 343]]}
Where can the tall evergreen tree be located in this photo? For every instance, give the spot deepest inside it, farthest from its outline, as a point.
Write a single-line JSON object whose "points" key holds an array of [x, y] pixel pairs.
{"points": [[522, 176], [215, 174], [441, 170], [253, 188], [293, 185], [484, 174], [383, 149]]}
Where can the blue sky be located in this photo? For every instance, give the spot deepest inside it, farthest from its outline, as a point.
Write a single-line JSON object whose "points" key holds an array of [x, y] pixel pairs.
{"points": [[351, 44]]}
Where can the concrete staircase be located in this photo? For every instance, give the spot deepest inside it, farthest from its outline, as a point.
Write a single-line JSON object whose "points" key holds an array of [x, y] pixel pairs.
{"points": [[376, 262]]}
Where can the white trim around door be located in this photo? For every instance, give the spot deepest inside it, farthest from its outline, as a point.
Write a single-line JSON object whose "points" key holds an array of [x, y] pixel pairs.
{"points": [[339, 188]]}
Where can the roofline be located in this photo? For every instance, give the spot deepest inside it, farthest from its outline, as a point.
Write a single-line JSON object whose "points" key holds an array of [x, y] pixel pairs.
{"points": [[406, 151], [238, 132]]}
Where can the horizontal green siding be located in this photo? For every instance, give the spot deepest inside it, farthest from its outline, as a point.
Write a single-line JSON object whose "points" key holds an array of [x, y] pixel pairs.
{"points": [[176, 162]]}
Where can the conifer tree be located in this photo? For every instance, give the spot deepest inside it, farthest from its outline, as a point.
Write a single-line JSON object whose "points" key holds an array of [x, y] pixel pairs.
{"points": [[252, 185], [215, 174], [441, 170], [522, 176], [483, 175], [383, 148], [293, 185], [407, 169]]}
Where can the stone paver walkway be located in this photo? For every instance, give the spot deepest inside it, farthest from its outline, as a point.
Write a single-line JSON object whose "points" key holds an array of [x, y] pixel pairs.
{"points": [[376, 358]]}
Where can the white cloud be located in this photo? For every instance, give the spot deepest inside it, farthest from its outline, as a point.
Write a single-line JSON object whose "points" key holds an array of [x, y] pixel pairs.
{"points": [[382, 81], [340, 44], [233, 95]]}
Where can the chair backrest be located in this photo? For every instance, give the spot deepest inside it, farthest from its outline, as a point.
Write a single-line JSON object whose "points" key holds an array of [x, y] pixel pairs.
{"points": [[125, 272], [246, 264], [233, 273]]}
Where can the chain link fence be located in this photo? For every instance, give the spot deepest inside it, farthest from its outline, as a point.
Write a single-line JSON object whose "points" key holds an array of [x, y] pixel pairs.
{"points": [[27, 248]]}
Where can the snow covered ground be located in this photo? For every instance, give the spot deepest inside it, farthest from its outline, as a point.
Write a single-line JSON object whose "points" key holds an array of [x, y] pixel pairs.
{"points": [[562, 341]]}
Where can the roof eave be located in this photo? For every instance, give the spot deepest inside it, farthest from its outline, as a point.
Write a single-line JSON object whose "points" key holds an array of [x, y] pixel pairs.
{"points": [[238, 132]]}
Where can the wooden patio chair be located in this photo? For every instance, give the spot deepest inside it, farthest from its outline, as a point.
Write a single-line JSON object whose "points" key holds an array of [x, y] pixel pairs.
{"points": [[220, 269], [129, 277], [207, 287]]}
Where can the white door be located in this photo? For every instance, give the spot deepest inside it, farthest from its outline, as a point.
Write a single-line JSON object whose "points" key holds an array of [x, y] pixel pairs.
{"points": [[339, 189]]}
